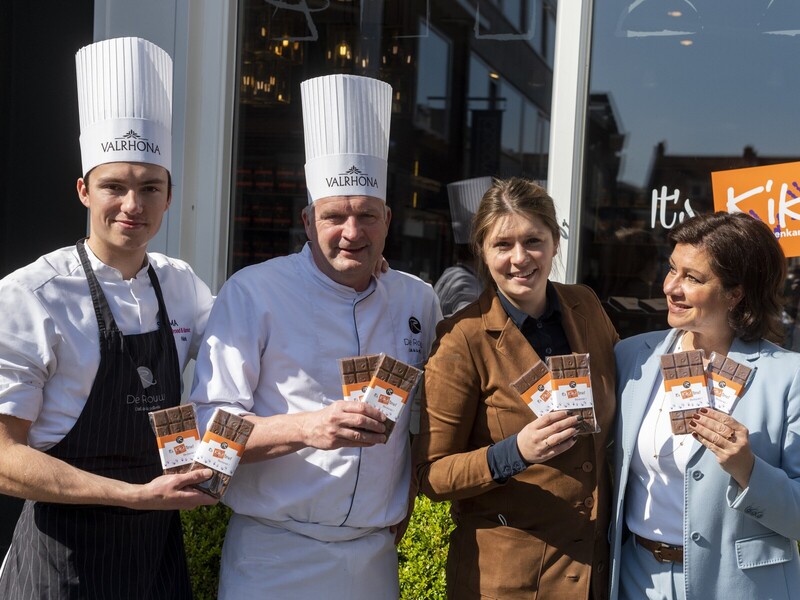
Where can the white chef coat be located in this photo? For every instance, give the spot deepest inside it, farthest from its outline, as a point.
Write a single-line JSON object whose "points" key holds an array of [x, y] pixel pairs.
{"points": [[271, 347], [457, 287], [49, 349]]}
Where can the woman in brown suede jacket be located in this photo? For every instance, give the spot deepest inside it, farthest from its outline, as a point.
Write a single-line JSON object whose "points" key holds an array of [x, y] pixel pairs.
{"points": [[530, 497]]}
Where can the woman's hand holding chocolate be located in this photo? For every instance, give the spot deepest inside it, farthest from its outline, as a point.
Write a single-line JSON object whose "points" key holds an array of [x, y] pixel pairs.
{"points": [[548, 436]]}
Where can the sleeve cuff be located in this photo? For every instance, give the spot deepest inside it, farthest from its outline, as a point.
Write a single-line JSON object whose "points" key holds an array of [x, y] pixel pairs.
{"points": [[504, 460]]}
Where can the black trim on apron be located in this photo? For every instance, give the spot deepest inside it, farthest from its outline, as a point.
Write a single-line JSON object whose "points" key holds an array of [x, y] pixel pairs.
{"points": [[63, 551]]}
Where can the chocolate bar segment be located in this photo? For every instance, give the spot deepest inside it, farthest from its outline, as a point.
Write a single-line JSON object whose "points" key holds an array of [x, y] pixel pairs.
{"points": [[358, 369], [534, 387], [569, 373], [729, 368], [176, 435], [726, 381], [390, 387], [681, 371], [221, 450]]}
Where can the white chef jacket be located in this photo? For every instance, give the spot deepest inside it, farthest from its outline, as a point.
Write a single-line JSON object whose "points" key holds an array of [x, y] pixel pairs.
{"points": [[457, 287], [272, 347], [49, 348]]}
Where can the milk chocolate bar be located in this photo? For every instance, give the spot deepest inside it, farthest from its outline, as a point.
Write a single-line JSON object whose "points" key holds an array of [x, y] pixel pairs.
{"points": [[726, 380], [573, 389], [221, 449], [176, 435], [356, 373], [534, 387], [685, 386], [390, 387]]}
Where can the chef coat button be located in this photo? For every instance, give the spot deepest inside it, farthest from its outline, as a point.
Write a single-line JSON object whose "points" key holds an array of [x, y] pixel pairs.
{"points": [[695, 536], [548, 351], [589, 502], [587, 467], [697, 475], [539, 324]]}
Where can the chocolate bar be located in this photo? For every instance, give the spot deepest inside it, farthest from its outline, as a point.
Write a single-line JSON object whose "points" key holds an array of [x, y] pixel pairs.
{"points": [[573, 389], [685, 385], [534, 387], [177, 437], [726, 380], [356, 374], [390, 387], [221, 450]]}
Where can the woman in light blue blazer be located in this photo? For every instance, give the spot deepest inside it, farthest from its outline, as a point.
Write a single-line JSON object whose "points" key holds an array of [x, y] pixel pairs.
{"points": [[714, 514]]}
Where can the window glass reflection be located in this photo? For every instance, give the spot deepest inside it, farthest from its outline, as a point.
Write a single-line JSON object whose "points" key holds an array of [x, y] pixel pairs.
{"points": [[678, 90], [450, 64]]}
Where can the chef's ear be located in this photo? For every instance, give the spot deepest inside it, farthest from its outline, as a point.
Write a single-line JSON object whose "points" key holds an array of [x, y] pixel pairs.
{"points": [[83, 190]]}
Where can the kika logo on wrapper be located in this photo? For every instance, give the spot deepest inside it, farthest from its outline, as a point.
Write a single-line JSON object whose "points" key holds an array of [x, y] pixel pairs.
{"points": [[130, 141], [353, 177]]}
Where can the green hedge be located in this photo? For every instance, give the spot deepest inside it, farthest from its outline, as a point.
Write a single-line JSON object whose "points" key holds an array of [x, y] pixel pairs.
{"points": [[422, 553]]}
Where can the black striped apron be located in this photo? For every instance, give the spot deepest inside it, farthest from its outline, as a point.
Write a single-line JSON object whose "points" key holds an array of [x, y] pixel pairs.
{"points": [[62, 551]]}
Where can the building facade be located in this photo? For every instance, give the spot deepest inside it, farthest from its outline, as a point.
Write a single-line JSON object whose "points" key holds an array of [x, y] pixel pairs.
{"points": [[622, 108]]}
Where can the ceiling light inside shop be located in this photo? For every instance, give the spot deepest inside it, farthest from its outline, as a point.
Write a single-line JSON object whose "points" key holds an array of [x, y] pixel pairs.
{"points": [[494, 75], [675, 13], [686, 42]]}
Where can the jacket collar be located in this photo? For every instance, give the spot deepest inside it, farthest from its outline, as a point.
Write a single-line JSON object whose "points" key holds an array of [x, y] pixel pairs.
{"points": [[510, 338]]}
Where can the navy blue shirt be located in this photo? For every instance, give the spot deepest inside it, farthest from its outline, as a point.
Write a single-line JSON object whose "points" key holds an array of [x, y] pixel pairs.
{"points": [[546, 336]]}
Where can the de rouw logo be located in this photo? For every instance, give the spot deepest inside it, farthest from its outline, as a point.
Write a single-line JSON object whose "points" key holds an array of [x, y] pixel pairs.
{"points": [[130, 140], [353, 177], [414, 325], [146, 375]]}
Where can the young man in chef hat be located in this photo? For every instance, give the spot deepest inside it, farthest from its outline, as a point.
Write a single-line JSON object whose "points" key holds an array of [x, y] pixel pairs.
{"points": [[323, 497], [92, 338], [459, 285]]}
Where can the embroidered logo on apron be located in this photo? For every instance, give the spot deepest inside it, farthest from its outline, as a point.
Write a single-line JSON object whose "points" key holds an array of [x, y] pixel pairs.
{"points": [[146, 375]]}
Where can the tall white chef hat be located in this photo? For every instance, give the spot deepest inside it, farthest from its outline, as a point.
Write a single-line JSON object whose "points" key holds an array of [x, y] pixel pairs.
{"points": [[346, 122], [125, 103], [465, 197]]}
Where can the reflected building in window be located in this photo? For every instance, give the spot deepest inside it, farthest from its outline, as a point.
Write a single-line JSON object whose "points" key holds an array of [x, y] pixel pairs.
{"points": [[472, 86]]}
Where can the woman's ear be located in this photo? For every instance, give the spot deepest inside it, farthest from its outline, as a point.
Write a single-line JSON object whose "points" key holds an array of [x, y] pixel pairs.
{"points": [[735, 296]]}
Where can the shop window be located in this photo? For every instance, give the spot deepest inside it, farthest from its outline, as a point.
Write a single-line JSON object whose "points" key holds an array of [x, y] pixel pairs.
{"points": [[446, 61], [434, 65], [678, 90]]}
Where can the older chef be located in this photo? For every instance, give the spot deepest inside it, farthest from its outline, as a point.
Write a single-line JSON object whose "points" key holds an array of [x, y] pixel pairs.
{"points": [[316, 510], [92, 338], [459, 285]]}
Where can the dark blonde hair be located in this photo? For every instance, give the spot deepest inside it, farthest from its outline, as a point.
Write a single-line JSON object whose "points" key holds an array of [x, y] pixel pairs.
{"points": [[509, 197], [742, 251]]}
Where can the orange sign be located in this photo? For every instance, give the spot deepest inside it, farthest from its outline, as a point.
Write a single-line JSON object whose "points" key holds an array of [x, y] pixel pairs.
{"points": [[770, 193]]}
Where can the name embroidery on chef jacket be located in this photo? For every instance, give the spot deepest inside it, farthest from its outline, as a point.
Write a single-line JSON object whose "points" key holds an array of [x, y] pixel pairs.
{"points": [[179, 332]]}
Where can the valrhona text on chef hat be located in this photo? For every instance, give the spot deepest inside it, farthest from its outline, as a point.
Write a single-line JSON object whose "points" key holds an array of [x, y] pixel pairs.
{"points": [[465, 197], [346, 122], [125, 103]]}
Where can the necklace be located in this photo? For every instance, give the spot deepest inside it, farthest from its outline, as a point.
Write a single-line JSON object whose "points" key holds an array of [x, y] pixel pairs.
{"points": [[656, 455]]}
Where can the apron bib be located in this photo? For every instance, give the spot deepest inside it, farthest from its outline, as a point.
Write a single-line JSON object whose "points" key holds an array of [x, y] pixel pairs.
{"points": [[62, 551]]}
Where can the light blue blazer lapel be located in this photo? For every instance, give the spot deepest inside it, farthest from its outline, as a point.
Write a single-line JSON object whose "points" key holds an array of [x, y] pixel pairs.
{"points": [[635, 399]]}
